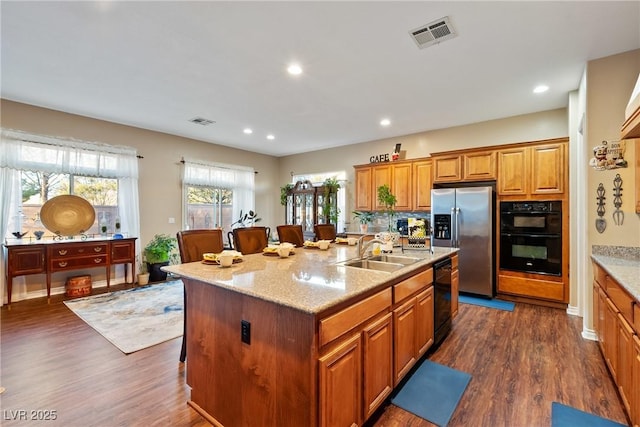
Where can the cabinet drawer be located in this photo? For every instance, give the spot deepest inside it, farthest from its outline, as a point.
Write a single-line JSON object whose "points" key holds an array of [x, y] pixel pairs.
{"points": [[412, 285], [534, 288], [122, 252], [83, 262], [64, 251], [620, 298], [343, 321]]}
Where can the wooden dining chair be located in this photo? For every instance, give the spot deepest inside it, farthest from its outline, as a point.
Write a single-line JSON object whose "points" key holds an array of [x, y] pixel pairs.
{"points": [[325, 231], [191, 245], [250, 240], [291, 234]]}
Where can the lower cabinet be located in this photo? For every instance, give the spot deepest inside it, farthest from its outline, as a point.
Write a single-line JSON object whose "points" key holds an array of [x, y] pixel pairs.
{"points": [[340, 385], [404, 332], [613, 312], [455, 281], [377, 363]]}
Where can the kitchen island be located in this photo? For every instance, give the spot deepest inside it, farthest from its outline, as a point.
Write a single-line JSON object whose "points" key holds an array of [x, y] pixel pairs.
{"points": [[303, 340]]}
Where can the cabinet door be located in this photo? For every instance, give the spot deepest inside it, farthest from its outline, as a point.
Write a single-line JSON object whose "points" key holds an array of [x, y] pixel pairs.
{"points": [[26, 260], [424, 321], [595, 309], [377, 362], [611, 339], [123, 251], [404, 332], [513, 171], [341, 385], [625, 361], [422, 184], [602, 313], [547, 169], [479, 166], [381, 175], [635, 404], [401, 186], [447, 168], [363, 189], [455, 280]]}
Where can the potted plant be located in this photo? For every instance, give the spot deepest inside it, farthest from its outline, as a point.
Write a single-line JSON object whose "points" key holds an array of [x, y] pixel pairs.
{"points": [[250, 217], [364, 218], [388, 200], [143, 274], [284, 193], [157, 254], [330, 208]]}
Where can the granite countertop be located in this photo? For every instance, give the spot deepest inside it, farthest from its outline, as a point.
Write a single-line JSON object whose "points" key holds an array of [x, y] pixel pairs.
{"points": [[624, 267], [310, 280]]}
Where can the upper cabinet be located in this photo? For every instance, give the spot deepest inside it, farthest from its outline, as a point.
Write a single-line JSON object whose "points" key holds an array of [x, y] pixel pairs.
{"points": [[532, 169], [409, 181], [464, 166]]}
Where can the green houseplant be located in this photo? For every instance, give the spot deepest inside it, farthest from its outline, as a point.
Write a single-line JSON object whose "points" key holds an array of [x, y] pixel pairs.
{"points": [[284, 193], [157, 254], [364, 218], [330, 208], [388, 200]]}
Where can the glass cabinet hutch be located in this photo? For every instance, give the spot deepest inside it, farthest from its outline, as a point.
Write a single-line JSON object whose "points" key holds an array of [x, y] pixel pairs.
{"points": [[308, 205]]}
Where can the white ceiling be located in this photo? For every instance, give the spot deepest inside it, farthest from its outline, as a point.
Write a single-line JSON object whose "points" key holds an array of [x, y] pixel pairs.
{"points": [[155, 65]]}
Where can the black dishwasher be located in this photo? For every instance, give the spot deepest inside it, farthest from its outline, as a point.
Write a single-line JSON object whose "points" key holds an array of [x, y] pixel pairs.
{"points": [[442, 300]]}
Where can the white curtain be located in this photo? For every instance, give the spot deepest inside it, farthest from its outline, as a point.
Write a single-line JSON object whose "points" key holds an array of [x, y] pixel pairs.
{"points": [[239, 179], [10, 196], [22, 151]]}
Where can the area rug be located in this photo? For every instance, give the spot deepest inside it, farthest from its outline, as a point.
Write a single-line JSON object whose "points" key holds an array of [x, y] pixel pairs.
{"points": [[136, 318], [485, 302], [432, 392], [566, 416]]}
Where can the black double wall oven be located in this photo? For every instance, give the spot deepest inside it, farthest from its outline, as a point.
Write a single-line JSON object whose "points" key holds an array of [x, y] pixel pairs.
{"points": [[531, 237]]}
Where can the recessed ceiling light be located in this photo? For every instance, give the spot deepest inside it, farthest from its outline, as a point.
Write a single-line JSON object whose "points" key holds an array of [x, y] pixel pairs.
{"points": [[540, 89], [271, 136], [294, 69], [248, 131], [385, 122]]}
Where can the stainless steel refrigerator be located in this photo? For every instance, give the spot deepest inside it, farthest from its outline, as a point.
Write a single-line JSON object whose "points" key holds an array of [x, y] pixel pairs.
{"points": [[463, 217]]}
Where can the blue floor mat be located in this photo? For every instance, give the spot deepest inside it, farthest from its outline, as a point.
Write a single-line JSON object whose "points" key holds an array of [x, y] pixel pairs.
{"points": [[566, 416], [432, 392], [484, 302]]}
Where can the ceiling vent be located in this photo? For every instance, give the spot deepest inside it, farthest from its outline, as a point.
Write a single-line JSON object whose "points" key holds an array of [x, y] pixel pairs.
{"points": [[201, 121], [432, 33]]}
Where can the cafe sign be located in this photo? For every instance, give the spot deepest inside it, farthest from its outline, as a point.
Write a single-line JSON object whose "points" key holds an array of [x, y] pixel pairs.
{"points": [[386, 157]]}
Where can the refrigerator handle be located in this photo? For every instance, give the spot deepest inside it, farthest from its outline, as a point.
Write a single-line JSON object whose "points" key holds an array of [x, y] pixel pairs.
{"points": [[457, 227], [453, 227]]}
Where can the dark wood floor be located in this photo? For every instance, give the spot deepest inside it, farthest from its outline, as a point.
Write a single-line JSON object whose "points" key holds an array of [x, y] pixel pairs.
{"points": [[520, 363]]}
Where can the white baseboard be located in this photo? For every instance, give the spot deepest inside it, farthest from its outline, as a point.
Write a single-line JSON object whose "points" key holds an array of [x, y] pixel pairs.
{"points": [[589, 334], [573, 311]]}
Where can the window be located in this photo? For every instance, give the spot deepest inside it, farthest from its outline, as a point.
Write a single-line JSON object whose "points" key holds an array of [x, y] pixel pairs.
{"points": [[36, 168], [215, 193], [38, 187]]}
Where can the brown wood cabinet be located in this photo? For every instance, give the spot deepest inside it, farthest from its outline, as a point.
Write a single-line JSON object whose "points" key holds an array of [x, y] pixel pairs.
{"points": [[455, 283], [409, 181], [422, 184], [377, 367], [424, 320], [54, 256], [404, 332], [613, 312], [532, 170], [340, 385], [466, 165]]}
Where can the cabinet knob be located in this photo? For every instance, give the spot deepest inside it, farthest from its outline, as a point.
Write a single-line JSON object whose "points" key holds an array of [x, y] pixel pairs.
{"points": [[62, 264], [62, 252], [97, 260], [97, 249]]}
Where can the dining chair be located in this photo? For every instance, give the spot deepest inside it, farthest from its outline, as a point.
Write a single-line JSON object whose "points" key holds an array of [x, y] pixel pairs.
{"points": [[325, 231], [191, 245], [291, 233], [250, 240]]}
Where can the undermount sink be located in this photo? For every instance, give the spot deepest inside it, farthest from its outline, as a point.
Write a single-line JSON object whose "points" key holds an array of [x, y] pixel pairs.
{"points": [[398, 259], [369, 264]]}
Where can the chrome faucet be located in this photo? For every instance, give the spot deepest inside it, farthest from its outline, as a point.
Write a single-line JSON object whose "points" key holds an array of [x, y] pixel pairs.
{"points": [[363, 246]]}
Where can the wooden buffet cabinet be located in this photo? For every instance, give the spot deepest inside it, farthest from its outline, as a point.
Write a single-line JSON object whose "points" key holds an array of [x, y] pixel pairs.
{"points": [[55, 256], [616, 317]]}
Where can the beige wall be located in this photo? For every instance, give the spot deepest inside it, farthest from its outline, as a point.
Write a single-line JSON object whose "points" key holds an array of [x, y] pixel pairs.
{"points": [[610, 82], [529, 127]]}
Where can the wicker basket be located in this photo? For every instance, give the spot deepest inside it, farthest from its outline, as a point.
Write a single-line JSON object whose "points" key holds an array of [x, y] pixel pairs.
{"points": [[78, 286]]}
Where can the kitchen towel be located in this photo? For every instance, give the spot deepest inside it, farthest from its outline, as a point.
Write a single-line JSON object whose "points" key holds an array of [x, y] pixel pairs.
{"points": [[432, 392], [566, 416]]}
